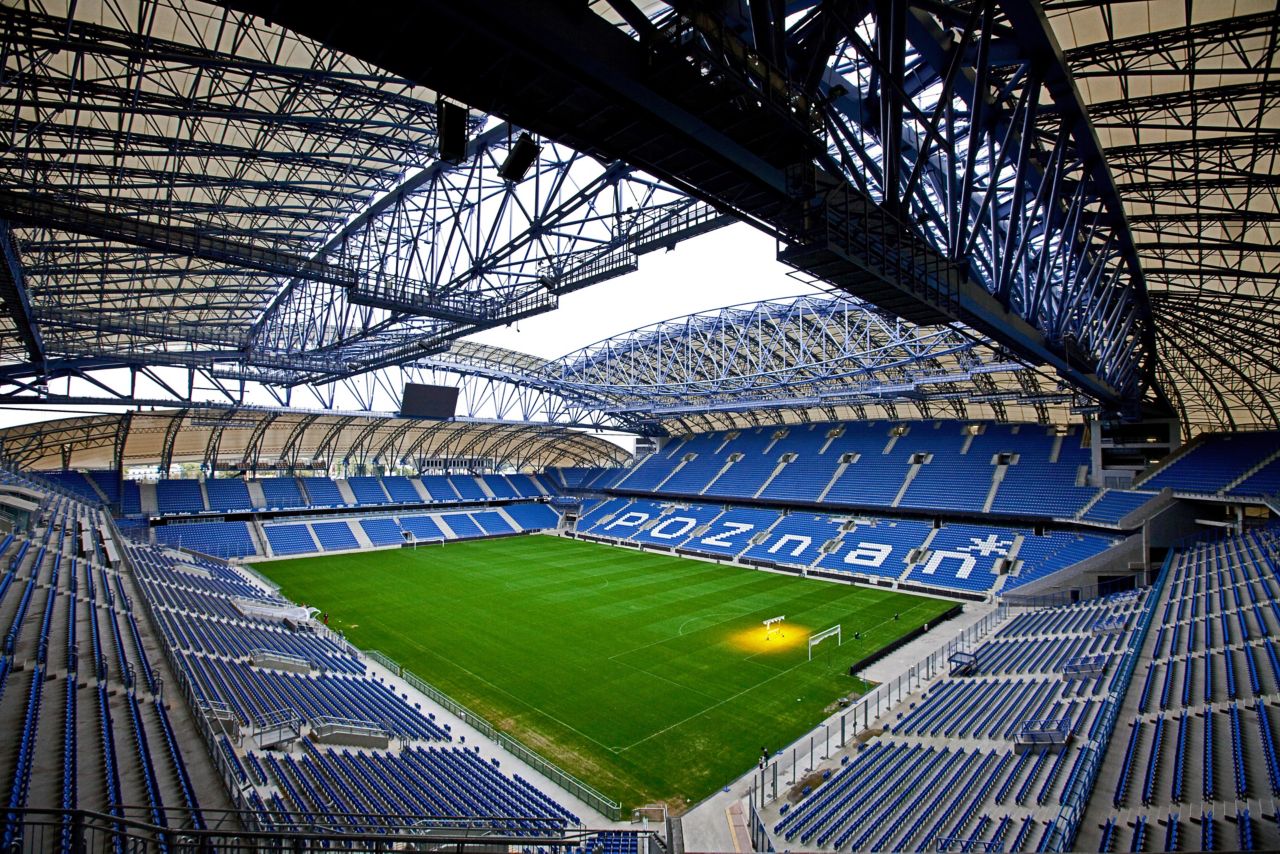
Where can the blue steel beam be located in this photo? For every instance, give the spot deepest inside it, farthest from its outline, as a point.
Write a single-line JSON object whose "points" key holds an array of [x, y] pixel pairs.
{"points": [[1077, 304], [236, 168]]}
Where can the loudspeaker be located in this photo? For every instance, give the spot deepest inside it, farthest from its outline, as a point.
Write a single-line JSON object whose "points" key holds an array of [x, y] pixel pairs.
{"points": [[451, 128], [519, 159]]}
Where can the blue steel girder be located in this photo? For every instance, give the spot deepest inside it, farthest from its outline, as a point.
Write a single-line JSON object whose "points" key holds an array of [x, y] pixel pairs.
{"points": [[1033, 212], [1043, 243], [458, 248], [220, 128], [801, 352]]}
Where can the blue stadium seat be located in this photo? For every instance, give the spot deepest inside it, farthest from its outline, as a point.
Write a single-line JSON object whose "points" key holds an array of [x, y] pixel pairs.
{"points": [[220, 539], [533, 517], [334, 536], [462, 525], [401, 490], [422, 527], [323, 492], [290, 539], [383, 531], [368, 490], [178, 495], [228, 494], [282, 492]]}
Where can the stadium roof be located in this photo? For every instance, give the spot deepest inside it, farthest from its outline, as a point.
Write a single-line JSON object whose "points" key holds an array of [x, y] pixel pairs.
{"points": [[261, 439], [1183, 97], [187, 187]]}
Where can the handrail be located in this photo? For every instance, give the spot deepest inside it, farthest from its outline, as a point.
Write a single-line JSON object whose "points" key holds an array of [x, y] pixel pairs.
{"points": [[1076, 798]]}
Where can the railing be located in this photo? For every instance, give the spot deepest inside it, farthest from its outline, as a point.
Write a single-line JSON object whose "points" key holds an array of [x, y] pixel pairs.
{"points": [[84, 830], [268, 657], [1075, 799], [326, 725], [246, 568], [605, 806]]}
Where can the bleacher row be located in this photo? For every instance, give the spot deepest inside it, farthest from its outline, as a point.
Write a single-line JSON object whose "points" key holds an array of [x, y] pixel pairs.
{"points": [[960, 557], [955, 770], [179, 496], [234, 539], [82, 696], [78, 692], [302, 537], [1239, 464], [925, 465], [1020, 470], [1194, 763], [216, 640]]}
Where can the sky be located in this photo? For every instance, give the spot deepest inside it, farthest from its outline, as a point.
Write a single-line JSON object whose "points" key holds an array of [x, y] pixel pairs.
{"points": [[733, 265]]}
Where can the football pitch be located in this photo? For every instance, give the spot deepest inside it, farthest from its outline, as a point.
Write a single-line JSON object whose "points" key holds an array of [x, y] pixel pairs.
{"points": [[648, 676]]}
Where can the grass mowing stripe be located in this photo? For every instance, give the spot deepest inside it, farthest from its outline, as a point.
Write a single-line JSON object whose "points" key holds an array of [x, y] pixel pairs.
{"points": [[583, 650]]}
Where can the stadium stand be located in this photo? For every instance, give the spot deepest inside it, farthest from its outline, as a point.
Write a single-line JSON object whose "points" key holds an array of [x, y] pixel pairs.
{"points": [[1212, 464], [422, 527], [290, 539], [440, 488], [130, 499], [978, 758], [732, 532], [70, 619], [176, 495], [796, 540], [927, 465], [1114, 504], [382, 531], [323, 492], [334, 536], [462, 525], [400, 490], [220, 539], [526, 486], [368, 490], [1264, 481], [957, 557], [77, 482], [467, 488], [878, 547], [499, 486], [674, 525], [282, 492], [433, 777], [533, 517], [492, 522], [227, 494], [107, 482], [1196, 746]]}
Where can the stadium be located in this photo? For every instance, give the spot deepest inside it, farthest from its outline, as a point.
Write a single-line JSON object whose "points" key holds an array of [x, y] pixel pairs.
{"points": [[950, 525]]}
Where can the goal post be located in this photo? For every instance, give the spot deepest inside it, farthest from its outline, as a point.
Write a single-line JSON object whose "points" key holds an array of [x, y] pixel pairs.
{"points": [[819, 637]]}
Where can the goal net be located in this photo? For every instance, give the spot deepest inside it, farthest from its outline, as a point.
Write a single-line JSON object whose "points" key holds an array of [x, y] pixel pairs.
{"points": [[819, 637]]}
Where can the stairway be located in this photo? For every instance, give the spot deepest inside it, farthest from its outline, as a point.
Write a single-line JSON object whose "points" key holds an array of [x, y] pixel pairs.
{"points": [[906, 484], [822, 496], [344, 489], [256, 496], [997, 478], [361, 537], [733, 458], [777, 470]]}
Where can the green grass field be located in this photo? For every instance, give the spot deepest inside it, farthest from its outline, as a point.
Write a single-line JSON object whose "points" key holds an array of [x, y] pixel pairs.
{"points": [[645, 675]]}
